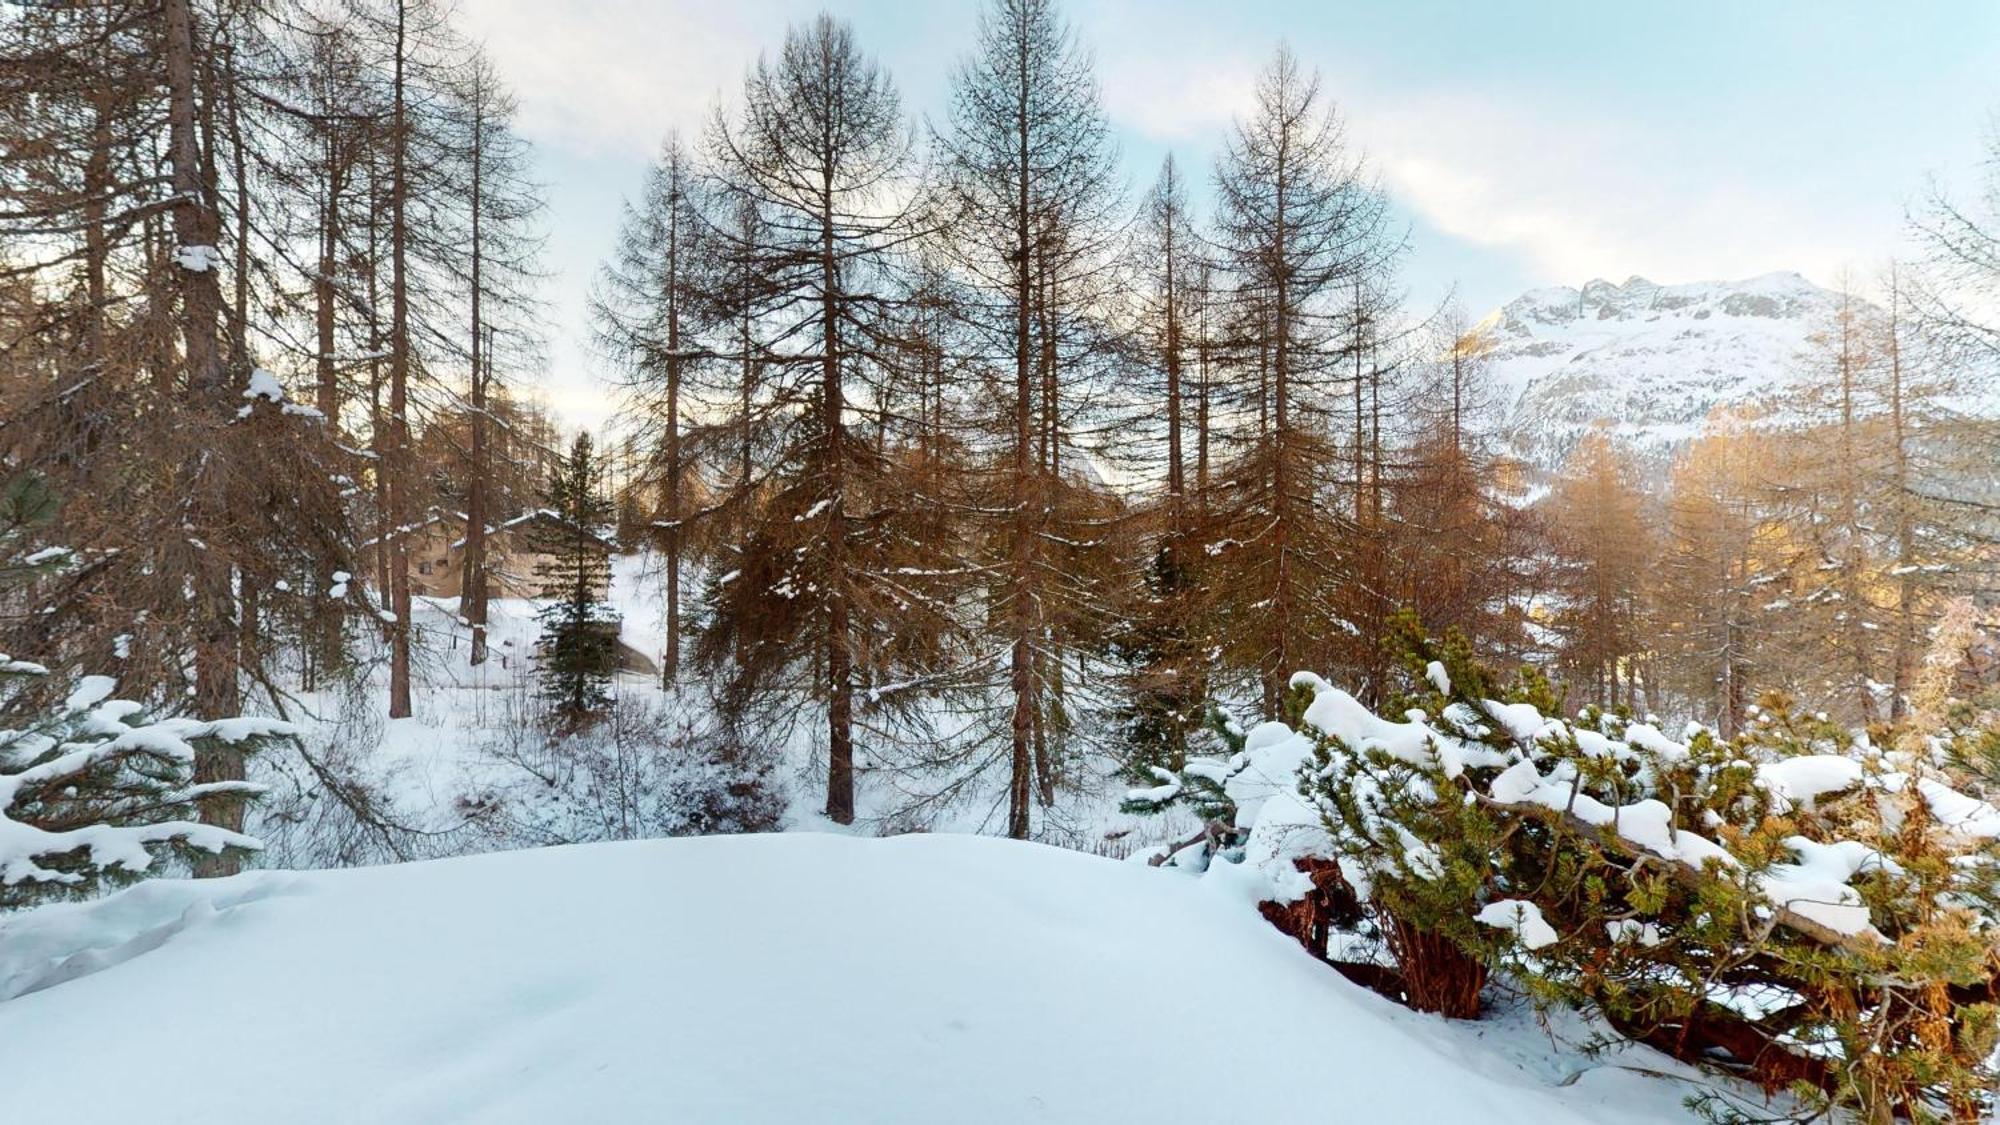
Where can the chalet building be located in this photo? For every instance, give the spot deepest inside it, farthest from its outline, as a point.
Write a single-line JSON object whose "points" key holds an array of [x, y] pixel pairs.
{"points": [[437, 554]]}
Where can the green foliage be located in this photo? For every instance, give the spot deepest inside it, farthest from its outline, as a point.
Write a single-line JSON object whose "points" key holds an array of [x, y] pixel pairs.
{"points": [[1163, 712], [1199, 784], [26, 502], [93, 791], [579, 635], [1896, 1016], [91, 795]]}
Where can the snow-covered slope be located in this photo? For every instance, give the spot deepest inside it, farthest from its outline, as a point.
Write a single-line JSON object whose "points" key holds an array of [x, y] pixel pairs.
{"points": [[785, 978], [1653, 360]]}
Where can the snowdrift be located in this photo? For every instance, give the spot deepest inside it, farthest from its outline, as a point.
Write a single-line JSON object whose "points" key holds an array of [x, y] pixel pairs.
{"points": [[790, 978]]}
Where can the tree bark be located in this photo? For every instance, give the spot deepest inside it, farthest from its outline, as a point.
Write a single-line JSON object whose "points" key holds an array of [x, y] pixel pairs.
{"points": [[839, 656], [670, 658], [1851, 561], [398, 466], [1904, 654], [217, 690], [1021, 596], [472, 584]]}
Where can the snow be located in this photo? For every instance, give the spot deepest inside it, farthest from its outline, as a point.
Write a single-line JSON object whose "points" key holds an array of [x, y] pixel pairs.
{"points": [[1520, 917], [1439, 678], [264, 385], [1816, 886], [1967, 816], [1646, 824], [1632, 929], [1334, 712], [1167, 790], [462, 749], [99, 731], [1268, 767], [1651, 739], [1652, 361], [789, 978], [89, 692], [1804, 779], [197, 259]]}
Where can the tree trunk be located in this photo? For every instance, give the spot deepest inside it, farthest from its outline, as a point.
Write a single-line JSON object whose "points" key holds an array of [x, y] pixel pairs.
{"points": [[1280, 657], [474, 583], [1904, 658], [1201, 409], [472, 589], [670, 658], [217, 692], [1176, 480], [325, 295], [1020, 602], [96, 245], [1852, 561], [398, 466], [239, 321], [839, 656]]}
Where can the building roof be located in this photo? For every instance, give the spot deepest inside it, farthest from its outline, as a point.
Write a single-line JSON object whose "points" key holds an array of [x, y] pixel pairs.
{"points": [[536, 515], [439, 515]]}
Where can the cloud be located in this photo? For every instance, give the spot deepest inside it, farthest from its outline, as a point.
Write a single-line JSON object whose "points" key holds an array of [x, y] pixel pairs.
{"points": [[1580, 197], [1176, 104], [1533, 178], [613, 76], [1567, 189]]}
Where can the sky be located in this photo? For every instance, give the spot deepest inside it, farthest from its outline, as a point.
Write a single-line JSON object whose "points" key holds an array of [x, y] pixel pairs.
{"points": [[1528, 144]]}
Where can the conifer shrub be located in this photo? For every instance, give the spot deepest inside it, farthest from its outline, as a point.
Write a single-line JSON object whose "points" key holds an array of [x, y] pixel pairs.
{"points": [[1805, 906], [579, 644], [94, 790]]}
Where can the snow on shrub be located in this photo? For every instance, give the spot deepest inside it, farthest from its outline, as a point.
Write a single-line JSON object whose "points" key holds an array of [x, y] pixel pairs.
{"points": [[1800, 904], [646, 771], [96, 791], [92, 789]]}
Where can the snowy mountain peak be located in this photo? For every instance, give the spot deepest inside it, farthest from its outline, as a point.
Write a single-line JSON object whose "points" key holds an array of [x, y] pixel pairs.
{"points": [[1652, 360]]}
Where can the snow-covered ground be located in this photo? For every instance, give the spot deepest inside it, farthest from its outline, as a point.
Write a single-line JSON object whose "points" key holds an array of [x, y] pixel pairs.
{"points": [[780, 978], [473, 749]]}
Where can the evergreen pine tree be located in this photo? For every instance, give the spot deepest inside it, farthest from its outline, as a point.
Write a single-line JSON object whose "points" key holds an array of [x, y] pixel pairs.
{"points": [[579, 633], [93, 789]]}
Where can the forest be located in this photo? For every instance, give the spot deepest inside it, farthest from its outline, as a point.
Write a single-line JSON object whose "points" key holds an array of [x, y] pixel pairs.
{"points": [[975, 488]]}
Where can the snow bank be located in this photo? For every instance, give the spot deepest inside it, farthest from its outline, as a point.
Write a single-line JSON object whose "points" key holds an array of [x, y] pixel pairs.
{"points": [[747, 979]]}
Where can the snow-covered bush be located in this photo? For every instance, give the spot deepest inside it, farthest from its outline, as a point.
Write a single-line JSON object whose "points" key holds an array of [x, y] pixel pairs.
{"points": [[647, 770], [1799, 903], [331, 799], [94, 791]]}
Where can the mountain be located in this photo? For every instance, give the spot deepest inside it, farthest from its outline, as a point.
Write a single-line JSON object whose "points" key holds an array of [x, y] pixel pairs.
{"points": [[1652, 360]]}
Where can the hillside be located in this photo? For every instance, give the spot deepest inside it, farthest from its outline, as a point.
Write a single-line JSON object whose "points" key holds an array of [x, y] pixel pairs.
{"points": [[1653, 360], [772, 979]]}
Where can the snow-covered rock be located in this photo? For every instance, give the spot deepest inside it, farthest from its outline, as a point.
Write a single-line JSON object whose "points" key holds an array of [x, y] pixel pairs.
{"points": [[1651, 360]]}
